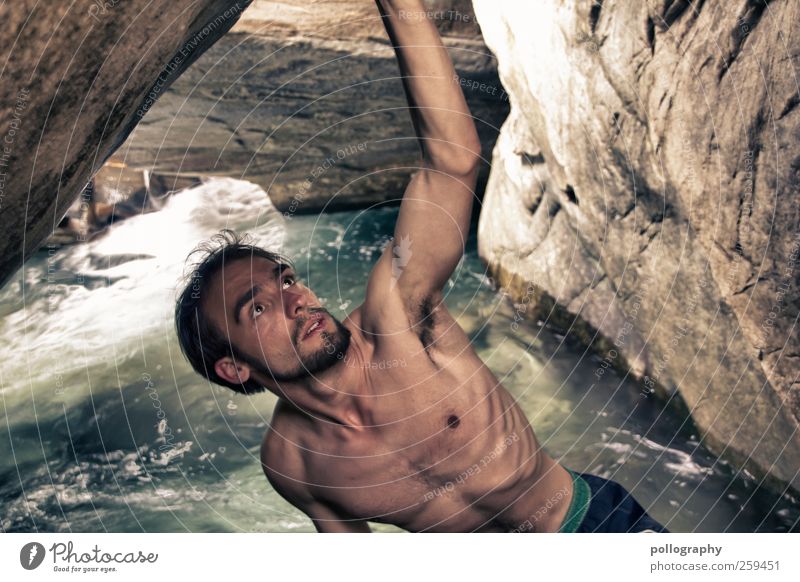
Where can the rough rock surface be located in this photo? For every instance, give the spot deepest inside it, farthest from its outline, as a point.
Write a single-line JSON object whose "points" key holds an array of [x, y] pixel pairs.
{"points": [[644, 193], [76, 78]]}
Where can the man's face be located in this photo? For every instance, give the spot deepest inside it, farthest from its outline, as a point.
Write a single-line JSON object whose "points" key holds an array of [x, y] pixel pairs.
{"points": [[276, 325]]}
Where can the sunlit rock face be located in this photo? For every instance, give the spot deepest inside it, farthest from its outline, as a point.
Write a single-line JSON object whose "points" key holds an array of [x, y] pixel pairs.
{"points": [[646, 184], [77, 79]]}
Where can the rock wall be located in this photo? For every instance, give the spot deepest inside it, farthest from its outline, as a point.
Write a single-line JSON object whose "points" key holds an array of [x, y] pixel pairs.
{"points": [[644, 193], [76, 80]]}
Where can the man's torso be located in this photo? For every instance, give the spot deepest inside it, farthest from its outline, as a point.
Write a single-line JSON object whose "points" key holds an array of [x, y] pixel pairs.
{"points": [[444, 447]]}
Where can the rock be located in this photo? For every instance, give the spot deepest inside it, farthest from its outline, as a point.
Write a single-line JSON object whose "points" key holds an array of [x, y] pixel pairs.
{"points": [[306, 102], [303, 99], [114, 193], [646, 184], [77, 80]]}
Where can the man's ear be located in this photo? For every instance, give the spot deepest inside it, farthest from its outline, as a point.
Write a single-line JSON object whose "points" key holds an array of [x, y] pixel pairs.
{"points": [[236, 373]]}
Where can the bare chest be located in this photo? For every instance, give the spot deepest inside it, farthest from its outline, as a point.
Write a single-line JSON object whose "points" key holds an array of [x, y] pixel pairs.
{"points": [[435, 439], [439, 433]]}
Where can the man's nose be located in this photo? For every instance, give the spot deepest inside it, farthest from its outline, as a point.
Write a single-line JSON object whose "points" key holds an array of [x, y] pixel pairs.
{"points": [[295, 302]]}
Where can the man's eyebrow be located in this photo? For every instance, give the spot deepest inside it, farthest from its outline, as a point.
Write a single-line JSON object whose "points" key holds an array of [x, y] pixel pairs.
{"points": [[250, 294]]}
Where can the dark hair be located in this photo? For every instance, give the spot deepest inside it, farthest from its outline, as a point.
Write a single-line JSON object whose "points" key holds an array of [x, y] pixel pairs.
{"points": [[200, 341]]}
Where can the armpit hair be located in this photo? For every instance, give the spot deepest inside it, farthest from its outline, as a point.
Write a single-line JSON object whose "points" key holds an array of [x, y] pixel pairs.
{"points": [[424, 320]]}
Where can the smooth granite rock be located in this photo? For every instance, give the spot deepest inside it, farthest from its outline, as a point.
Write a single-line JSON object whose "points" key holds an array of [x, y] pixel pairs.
{"points": [[306, 101]]}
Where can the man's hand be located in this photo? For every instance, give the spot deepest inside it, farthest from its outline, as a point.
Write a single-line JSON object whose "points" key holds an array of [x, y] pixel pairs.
{"points": [[434, 217]]}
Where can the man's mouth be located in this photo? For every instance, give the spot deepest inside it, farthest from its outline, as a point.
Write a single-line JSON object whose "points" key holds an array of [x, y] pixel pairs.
{"points": [[314, 326]]}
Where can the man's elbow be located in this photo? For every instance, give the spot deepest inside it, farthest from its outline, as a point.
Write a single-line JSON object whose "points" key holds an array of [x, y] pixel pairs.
{"points": [[459, 161]]}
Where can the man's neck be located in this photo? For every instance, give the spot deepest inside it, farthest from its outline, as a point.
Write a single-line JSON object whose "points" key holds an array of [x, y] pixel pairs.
{"points": [[340, 394]]}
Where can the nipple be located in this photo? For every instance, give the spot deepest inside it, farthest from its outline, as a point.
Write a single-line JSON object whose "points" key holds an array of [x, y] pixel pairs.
{"points": [[452, 421]]}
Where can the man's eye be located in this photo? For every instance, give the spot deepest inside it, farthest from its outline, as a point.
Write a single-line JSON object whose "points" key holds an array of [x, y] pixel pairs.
{"points": [[288, 279], [258, 309]]}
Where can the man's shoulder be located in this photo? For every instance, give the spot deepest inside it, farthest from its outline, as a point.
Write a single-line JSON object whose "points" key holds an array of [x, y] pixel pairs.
{"points": [[280, 439], [281, 454]]}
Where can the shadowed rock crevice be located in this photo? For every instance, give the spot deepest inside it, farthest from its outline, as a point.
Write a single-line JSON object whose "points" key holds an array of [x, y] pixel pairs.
{"points": [[651, 34], [594, 14], [747, 21]]}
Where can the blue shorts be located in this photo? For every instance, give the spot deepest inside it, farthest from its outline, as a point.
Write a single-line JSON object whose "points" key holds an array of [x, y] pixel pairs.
{"points": [[602, 505]]}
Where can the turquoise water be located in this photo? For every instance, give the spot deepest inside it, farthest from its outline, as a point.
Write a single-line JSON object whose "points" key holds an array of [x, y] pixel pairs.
{"points": [[106, 428]]}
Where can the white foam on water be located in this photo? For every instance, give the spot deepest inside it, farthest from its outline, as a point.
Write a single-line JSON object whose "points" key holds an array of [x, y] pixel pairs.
{"points": [[72, 327]]}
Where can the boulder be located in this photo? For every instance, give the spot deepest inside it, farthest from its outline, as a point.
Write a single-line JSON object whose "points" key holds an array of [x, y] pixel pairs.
{"points": [[644, 194], [77, 79]]}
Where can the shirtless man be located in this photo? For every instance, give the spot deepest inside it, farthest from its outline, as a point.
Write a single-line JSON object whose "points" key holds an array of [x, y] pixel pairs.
{"points": [[390, 416]]}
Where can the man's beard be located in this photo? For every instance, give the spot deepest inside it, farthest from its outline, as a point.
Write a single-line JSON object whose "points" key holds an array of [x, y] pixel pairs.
{"points": [[334, 348]]}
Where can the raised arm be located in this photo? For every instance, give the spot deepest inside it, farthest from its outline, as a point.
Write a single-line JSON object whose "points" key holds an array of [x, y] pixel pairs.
{"points": [[434, 216]]}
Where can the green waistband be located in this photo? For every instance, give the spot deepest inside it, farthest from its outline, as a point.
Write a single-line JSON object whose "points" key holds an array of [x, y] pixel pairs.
{"points": [[581, 497]]}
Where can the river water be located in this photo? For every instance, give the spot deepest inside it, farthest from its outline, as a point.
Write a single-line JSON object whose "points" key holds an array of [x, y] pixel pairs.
{"points": [[106, 428]]}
